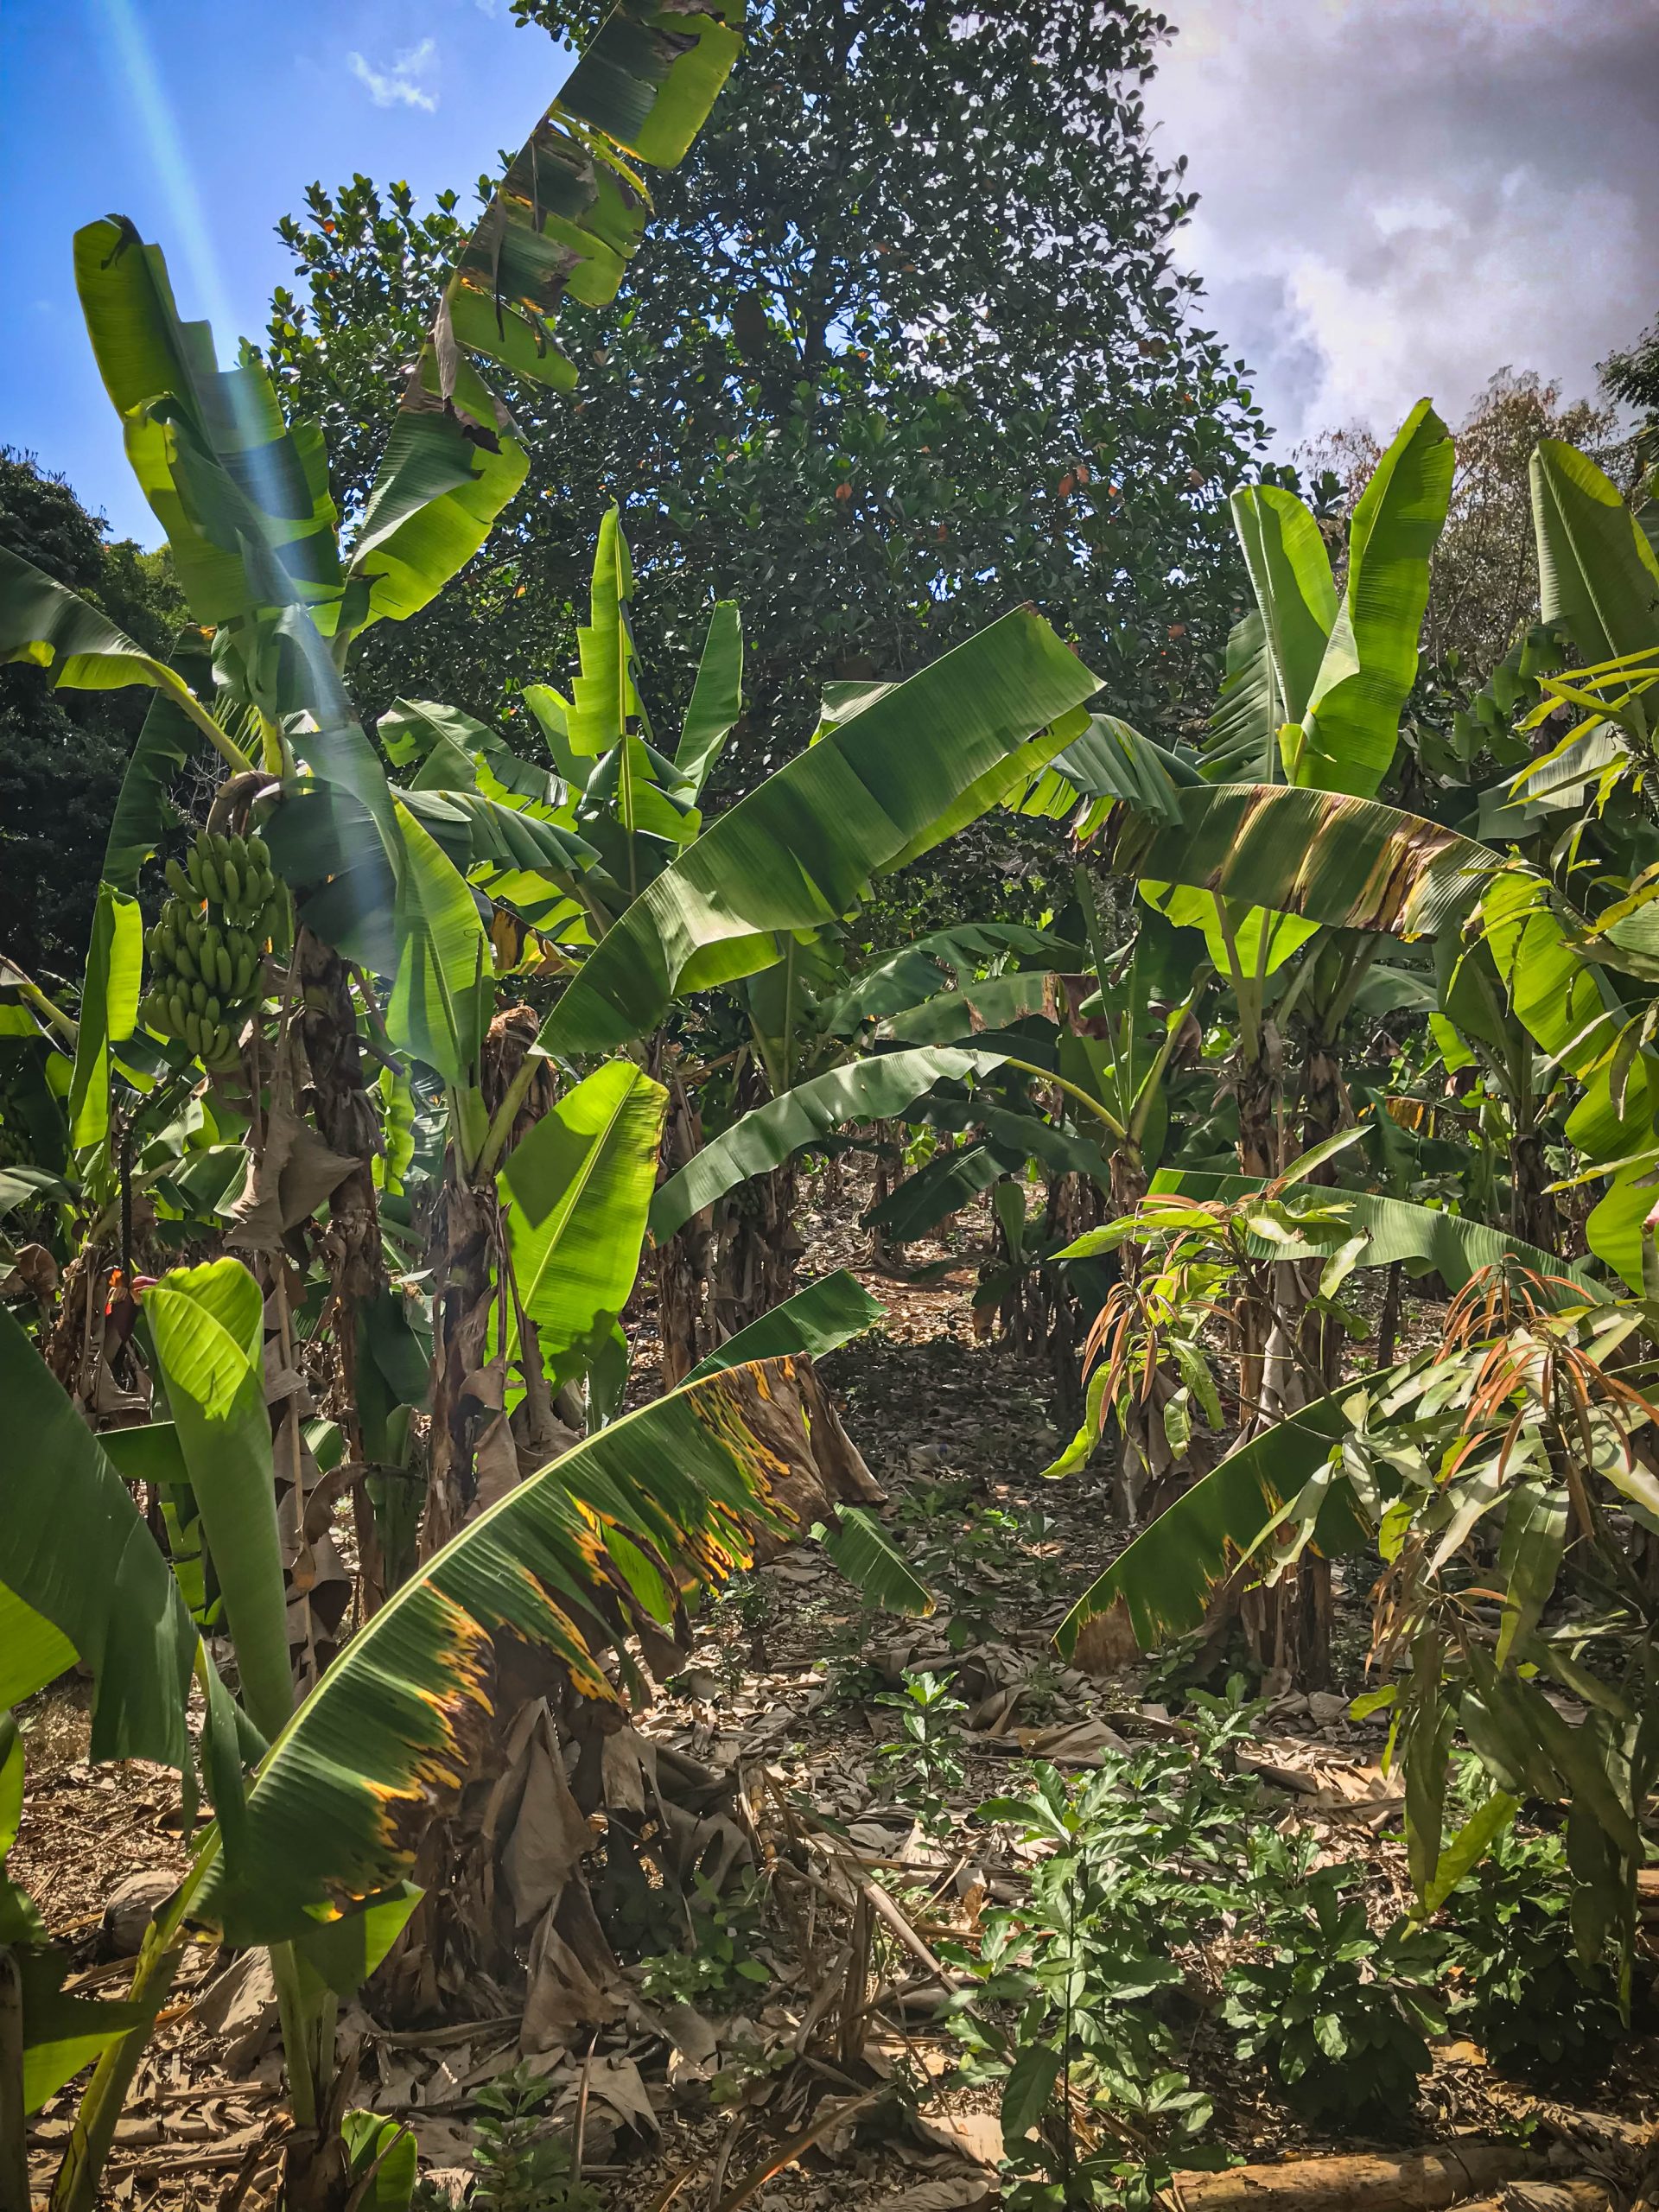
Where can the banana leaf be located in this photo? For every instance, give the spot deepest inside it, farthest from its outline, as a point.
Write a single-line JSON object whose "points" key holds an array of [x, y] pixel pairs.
{"points": [[80, 1574], [801, 850], [1352, 725], [666, 1494], [575, 1193], [1346, 861], [916, 972], [78, 646], [563, 222], [947, 1182], [716, 696], [108, 1010], [1598, 574], [825, 1315], [207, 1325], [1295, 596], [1165, 1576], [873, 1563], [872, 1089]]}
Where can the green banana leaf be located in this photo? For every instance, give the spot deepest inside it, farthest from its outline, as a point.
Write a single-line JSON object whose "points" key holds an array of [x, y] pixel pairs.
{"points": [[1353, 722], [575, 1193], [242, 498], [999, 1002], [917, 971], [564, 221], [439, 1000], [716, 698], [1346, 862], [1598, 574], [342, 1799], [79, 645], [1165, 1576], [80, 1574], [207, 1325], [872, 1089], [1296, 598], [873, 1563], [108, 1010], [143, 810], [801, 850], [1107, 761], [818, 1320], [1242, 745], [947, 1182]]}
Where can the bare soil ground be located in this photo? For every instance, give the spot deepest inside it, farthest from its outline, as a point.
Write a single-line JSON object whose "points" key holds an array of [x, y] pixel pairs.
{"points": [[693, 2095]]}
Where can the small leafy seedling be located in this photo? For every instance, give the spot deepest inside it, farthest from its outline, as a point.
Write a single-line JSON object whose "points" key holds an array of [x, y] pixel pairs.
{"points": [[522, 2162], [923, 1763]]}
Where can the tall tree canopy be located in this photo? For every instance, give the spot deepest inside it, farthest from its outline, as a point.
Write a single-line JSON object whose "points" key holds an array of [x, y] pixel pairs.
{"points": [[910, 346]]}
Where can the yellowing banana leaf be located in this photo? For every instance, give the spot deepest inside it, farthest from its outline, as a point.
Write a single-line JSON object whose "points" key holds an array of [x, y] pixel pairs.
{"points": [[1349, 862], [917, 971], [1165, 1576], [652, 75], [996, 1003], [667, 1494], [207, 1325], [801, 850], [108, 1010], [826, 1314], [1109, 761], [80, 1574], [575, 1193], [871, 1090]]}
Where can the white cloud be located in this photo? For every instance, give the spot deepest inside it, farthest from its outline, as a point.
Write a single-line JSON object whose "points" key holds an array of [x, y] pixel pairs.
{"points": [[399, 86], [1401, 196]]}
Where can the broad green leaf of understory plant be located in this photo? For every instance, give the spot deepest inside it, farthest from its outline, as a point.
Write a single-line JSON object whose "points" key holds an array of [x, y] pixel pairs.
{"points": [[575, 1193], [207, 1325]]}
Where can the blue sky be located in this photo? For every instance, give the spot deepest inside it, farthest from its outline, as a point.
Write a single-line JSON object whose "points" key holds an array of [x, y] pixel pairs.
{"points": [[204, 120], [1399, 196]]}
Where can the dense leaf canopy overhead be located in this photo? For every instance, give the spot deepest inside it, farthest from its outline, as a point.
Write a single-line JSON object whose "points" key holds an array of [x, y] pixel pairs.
{"points": [[908, 347]]}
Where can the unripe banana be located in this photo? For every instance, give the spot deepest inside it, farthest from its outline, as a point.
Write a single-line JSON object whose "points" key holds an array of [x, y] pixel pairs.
{"points": [[212, 881], [199, 995], [227, 972], [193, 869], [175, 1012], [258, 850], [210, 1011], [232, 881], [238, 852], [177, 879], [193, 1032], [184, 964]]}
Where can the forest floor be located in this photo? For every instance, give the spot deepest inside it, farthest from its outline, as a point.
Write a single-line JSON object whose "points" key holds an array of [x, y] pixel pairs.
{"points": [[729, 2054]]}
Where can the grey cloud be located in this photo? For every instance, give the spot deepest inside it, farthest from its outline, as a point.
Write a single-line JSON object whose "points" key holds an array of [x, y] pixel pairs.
{"points": [[1401, 196]]}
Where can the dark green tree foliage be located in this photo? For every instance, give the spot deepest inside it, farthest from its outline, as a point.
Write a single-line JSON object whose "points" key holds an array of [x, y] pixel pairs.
{"points": [[908, 347], [62, 754]]}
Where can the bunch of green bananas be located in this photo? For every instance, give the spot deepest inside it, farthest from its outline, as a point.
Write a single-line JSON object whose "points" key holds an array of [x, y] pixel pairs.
{"points": [[207, 963]]}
